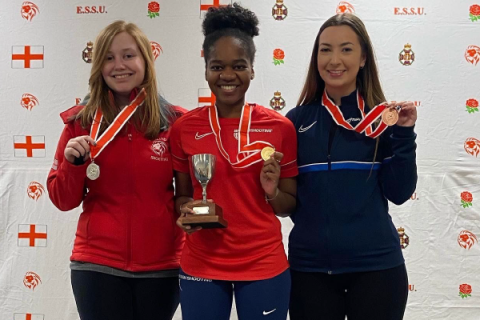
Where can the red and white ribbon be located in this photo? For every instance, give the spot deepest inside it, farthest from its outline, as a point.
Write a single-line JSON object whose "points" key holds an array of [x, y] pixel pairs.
{"points": [[248, 152], [365, 125]]}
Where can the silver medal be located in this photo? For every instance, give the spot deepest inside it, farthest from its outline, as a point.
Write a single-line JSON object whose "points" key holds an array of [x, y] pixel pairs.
{"points": [[93, 171]]}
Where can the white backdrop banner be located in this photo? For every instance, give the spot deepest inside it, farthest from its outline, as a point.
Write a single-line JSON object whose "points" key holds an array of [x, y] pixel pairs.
{"points": [[428, 51]]}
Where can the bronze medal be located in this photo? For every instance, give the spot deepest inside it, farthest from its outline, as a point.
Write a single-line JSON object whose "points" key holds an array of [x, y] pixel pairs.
{"points": [[390, 116], [267, 152], [93, 171]]}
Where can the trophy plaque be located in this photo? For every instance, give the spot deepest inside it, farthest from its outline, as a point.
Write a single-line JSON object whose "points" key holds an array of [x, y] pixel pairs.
{"points": [[207, 215]]}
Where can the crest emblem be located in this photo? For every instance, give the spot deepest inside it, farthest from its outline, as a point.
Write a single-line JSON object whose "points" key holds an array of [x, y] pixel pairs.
{"points": [[467, 199], [465, 290], [474, 12], [472, 146], [404, 238], [278, 56], [31, 280], [156, 49], [87, 53], [279, 11], [29, 10], [159, 147], [29, 101], [35, 190], [277, 102], [153, 9], [345, 7], [472, 54], [406, 56], [466, 239]]}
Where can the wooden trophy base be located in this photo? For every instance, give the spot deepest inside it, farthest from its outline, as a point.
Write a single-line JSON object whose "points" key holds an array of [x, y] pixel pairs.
{"points": [[212, 219]]}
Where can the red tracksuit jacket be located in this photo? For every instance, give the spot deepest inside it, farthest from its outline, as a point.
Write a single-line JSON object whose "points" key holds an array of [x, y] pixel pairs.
{"points": [[128, 219]]}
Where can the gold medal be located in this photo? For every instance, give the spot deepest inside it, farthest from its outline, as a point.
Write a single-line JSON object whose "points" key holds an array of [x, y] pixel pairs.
{"points": [[390, 116], [267, 152], [93, 171]]}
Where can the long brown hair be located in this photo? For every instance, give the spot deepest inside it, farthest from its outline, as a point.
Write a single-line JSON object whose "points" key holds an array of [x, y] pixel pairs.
{"points": [[368, 82], [148, 117]]}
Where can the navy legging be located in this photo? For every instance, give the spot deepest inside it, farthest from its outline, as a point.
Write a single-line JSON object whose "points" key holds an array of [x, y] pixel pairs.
{"points": [[205, 299]]}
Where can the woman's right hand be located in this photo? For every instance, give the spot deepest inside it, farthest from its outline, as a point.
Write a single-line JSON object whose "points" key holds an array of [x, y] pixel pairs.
{"points": [[78, 147], [186, 210]]}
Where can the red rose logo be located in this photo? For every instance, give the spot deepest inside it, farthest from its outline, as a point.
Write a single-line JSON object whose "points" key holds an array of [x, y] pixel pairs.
{"points": [[466, 239], [466, 196], [465, 290], [29, 10], [472, 54], [153, 9], [475, 12], [472, 105], [278, 56]]}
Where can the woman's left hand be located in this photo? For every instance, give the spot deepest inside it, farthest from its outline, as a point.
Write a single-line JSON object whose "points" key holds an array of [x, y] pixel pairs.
{"points": [[408, 113], [270, 174]]}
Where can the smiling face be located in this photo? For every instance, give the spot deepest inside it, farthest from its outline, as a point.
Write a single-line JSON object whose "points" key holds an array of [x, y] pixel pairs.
{"points": [[124, 66], [339, 60], [228, 72]]}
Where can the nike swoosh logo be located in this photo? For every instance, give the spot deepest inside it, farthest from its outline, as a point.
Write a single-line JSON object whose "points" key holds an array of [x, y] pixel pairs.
{"points": [[200, 136], [302, 129], [266, 313]]}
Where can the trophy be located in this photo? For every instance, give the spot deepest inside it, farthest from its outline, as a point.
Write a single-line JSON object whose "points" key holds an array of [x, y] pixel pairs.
{"points": [[207, 215]]}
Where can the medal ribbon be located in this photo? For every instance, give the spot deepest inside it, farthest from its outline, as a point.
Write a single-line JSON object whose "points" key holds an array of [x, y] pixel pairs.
{"points": [[248, 153], [115, 127], [365, 125]]}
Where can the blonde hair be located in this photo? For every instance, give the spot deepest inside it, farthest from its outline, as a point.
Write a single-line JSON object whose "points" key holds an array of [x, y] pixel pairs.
{"points": [[148, 118]]}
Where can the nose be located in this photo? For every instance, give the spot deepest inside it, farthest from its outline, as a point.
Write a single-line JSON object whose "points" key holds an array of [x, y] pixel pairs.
{"points": [[118, 64], [335, 58], [227, 74]]}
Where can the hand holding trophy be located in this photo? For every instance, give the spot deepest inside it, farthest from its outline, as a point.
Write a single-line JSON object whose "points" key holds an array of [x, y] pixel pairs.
{"points": [[206, 214]]}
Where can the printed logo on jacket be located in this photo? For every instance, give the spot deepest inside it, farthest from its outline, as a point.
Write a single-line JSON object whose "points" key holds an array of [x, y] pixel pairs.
{"points": [[160, 148]]}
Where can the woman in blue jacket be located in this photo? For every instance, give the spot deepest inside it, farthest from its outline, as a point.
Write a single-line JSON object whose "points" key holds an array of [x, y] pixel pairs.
{"points": [[353, 158]]}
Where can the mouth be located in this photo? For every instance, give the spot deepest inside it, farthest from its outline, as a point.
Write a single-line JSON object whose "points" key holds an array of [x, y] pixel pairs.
{"points": [[335, 73], [121, 76], [228, 88]]}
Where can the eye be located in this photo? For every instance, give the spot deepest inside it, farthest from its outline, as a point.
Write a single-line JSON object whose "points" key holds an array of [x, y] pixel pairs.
{"points": [[129, 55], [347, 49], [324, 49], [108, 58], [215, 68], [240, 67]]}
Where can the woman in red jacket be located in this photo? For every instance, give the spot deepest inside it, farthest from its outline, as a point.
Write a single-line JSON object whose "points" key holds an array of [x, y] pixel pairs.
{"points": [[115, 161]]}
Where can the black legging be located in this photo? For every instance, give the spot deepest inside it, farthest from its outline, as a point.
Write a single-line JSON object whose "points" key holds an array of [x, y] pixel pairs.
{"points": [[374, 295], [101, 296]]}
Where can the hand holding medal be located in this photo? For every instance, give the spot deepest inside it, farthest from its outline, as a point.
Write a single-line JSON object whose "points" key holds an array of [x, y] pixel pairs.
{"points": [[78, 147], [270, 174], [403, 114]]}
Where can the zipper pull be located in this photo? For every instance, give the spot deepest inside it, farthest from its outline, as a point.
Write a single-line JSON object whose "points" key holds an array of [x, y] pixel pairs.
{"points": [[129, 137]]}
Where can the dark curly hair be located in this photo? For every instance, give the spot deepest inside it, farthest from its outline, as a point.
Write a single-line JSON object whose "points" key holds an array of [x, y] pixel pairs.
{"points": [[230, 21]]}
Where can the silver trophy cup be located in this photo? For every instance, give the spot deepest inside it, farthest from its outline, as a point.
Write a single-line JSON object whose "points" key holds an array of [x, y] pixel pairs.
{"points": [[204, 168]]}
